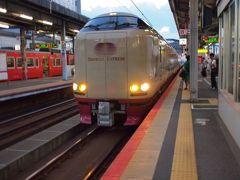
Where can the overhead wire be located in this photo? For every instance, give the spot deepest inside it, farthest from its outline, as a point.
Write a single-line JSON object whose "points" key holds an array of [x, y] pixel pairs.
{"points": [[124, 6], [142, 13]]}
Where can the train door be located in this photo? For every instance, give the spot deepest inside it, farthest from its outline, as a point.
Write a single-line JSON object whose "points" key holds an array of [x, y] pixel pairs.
{"points": [[116, 65], [11, 68], [45, 64], [19, 63]]}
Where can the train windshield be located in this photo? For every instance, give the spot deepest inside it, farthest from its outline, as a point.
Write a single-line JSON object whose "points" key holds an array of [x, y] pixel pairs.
{"points": [[114, 23]]}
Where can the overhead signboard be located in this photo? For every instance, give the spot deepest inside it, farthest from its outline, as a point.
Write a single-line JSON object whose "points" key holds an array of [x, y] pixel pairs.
{"points": [[44, 45], [202, 50], [210, 39], [182, 32]]}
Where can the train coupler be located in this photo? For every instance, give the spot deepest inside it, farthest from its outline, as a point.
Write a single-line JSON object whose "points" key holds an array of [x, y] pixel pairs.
{"points": [[105, 117]]}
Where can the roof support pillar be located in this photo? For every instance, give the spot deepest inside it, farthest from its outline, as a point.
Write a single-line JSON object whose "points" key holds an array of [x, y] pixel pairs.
{"points": [[64, 55], [23, 52], [193, 47]]}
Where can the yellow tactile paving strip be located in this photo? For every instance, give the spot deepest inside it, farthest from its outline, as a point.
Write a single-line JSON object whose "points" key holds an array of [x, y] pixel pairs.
{"points": [[184, 159], [211, 101]]}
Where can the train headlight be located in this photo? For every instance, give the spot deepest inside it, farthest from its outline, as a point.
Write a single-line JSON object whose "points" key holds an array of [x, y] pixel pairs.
{"points": [[82, 87], [75, 86], [134, 88], [145, 87]]}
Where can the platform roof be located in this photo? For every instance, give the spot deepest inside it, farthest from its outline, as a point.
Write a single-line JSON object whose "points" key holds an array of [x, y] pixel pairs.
{"points": [[40, 10], [180, 9]]}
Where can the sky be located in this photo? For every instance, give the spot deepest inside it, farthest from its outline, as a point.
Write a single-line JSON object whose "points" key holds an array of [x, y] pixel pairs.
{"points": [[158, 12]]}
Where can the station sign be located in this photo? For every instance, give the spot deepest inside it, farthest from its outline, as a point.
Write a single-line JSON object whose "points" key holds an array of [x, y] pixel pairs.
{"points": [[182, 32], [182, 41], [44, 45], [210, 39]]}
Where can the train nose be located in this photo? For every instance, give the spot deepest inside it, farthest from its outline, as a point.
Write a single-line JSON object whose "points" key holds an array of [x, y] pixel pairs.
{"points": [[106, 62], [105, 48]]}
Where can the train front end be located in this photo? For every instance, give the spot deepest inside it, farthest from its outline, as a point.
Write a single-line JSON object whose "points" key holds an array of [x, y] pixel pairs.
{"points": [[109, 69]]}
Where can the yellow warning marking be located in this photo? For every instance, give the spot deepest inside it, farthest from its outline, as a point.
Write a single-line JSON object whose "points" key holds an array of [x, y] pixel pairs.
{"points": [[213, 101], [185, 95], [184, 159]]}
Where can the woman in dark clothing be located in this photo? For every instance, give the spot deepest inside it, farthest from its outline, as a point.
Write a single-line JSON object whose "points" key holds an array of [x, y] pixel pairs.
{"points": [[186, 67], [214, 71]]}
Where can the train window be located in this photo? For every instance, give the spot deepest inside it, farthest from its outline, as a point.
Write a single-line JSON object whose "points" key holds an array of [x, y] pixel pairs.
{"points": [[127, 22], [30, 62], [232, 50], [101, 23], [10, 62], [57, 62], [142, 24], [19, 62], [37, 62], [114, 22], [70, 62]]}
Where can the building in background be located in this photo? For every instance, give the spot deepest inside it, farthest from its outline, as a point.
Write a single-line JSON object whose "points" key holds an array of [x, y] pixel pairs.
{"points": [[175, 44], [74, 5]]}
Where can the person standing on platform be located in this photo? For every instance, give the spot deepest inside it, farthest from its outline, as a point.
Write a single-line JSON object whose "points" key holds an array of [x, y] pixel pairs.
{"points": [[186, 67], [214, 72]]}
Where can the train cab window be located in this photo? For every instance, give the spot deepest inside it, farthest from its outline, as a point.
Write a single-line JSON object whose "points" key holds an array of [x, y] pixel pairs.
{"points": [[37, 62], [114, 23], [19, 62], [142, 24], [30, 62], [10, 62], [125, 22], [57, 62], [101, 23]]}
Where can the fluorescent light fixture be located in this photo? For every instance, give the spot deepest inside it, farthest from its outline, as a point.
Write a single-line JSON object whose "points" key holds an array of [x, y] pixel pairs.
{"points": [[47, 22], [26, 17], [40, 31], [75, 30], [2, 10], [4, 25]]}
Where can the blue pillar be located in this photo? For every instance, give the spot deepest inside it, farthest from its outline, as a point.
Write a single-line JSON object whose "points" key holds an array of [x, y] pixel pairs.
{"points": [[23, 52], [64, 55]]}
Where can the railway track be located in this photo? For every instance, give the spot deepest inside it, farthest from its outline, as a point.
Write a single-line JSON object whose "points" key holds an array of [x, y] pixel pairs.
{"points": [[87, 157], [20, 127]]}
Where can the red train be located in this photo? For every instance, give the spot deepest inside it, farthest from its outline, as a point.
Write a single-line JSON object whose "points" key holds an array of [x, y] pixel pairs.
{"points": [[39, 64]]}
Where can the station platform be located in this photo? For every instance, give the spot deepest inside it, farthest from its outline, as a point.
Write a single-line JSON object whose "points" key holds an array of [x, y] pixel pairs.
{"points": [[21, 88], [179, 140]]}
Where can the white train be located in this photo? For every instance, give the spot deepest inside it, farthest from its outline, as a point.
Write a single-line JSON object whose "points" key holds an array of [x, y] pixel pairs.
{"points": [[120, 65]]}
